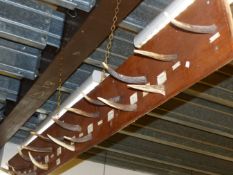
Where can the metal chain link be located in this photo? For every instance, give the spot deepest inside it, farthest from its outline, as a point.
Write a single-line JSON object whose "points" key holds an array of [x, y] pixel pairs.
{"points": [[111, 36], [107, 53], [59, 85]]}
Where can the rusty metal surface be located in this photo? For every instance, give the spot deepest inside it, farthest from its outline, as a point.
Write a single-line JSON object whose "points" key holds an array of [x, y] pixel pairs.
{"points": [[200, 57]]}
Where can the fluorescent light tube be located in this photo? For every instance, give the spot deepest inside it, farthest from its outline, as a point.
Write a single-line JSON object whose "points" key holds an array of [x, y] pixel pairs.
{"points": [[161, 21]]}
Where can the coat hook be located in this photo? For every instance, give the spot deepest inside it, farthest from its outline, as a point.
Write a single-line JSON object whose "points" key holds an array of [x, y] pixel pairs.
{"points": [[79, 140], [123, 78], [68, 126], [61, 143], [83, 113], [37, 164], [157, 89], [156, 56], [123, 107]]}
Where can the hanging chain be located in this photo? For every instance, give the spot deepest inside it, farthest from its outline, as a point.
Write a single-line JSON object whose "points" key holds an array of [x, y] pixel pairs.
{"points": [[107, 53], [59, 85], [113, 27], [111, 36]]}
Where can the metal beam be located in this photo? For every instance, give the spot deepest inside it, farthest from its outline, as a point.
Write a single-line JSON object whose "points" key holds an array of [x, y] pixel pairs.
{"points": [[83, 43], [208, 97], [155, 160], [199, 148], [188, 121]]}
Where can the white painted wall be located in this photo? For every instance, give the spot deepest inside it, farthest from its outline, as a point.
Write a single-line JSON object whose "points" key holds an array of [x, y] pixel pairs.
{"points": [[84, 168], [93, 168], [6, 153]]}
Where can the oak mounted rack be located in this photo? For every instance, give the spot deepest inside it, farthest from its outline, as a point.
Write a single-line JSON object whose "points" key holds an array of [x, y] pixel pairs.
{"points": [[198, 55]]}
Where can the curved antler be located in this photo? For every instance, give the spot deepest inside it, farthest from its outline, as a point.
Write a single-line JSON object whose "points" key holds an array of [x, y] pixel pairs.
{"points": [[119, 106]]}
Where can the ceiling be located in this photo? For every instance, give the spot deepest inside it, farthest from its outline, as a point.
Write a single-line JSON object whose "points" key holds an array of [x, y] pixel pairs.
{"points": [[191, 134]]}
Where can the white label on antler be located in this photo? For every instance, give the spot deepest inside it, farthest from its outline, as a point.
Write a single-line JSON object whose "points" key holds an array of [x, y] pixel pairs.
{"points": [[90, 128], [162, 78], [110, 115], [187, 64], [134, 98], [100, 122], [58, 161], [58, 151], [214, 37], [175, 66], [46, 159]]}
